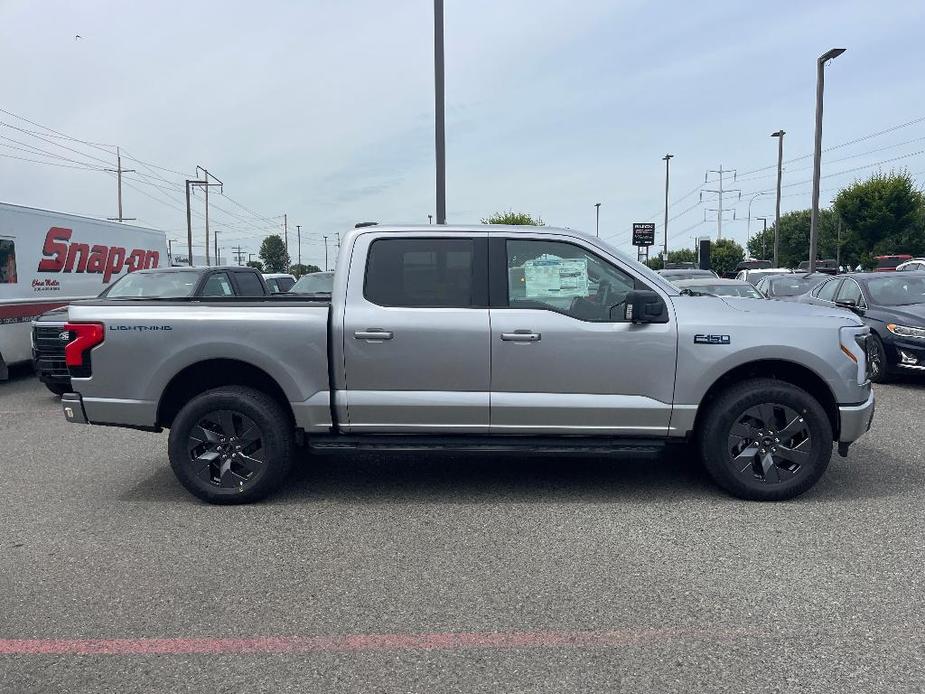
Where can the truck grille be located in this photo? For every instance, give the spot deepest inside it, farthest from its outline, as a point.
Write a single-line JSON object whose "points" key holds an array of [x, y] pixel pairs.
{"points": [[49, 350]]}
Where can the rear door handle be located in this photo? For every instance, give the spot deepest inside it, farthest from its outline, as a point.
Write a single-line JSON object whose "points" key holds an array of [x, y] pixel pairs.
{"points": [[521, 336], [373, 334]]}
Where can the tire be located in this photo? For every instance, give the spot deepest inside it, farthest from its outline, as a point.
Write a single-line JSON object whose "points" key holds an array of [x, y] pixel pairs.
{"points": [[877, 366], [59, 389], [765, 440], [231, 445]]}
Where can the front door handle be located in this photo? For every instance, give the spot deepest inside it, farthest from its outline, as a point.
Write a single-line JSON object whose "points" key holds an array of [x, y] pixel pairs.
{"points": [[373, 334], [521, 336]]}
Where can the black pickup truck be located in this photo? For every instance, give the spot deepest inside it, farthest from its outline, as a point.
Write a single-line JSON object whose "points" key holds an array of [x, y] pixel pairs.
{"points": [[49, 336]]}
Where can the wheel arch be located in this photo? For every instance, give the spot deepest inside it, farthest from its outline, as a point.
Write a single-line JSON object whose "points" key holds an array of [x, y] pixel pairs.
{"points": [[205, 375], [783, 370]]}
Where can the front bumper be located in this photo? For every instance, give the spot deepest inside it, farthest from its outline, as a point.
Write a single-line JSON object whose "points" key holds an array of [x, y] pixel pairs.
{"points": [[855, 420]]}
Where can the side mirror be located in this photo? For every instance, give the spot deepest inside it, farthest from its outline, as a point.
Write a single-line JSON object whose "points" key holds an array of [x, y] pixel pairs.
{"points": [[851, 305], [644, 306]]}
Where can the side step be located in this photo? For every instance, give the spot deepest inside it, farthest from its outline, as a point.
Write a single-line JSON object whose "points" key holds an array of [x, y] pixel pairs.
{"points": [[571, 445]]}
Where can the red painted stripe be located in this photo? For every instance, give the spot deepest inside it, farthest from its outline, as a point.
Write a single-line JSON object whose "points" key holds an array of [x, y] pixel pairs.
{"points": [[28, 310], [449, 641]]}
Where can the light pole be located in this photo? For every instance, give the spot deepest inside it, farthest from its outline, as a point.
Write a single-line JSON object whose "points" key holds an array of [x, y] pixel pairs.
{"points": [[837, 237], [780, 167], [215, 241], [597, 219], [764, 236], [748, 226], [430, 219], [439, 118], [298, 231], [666, 159], [817, 152], [325, 253]]}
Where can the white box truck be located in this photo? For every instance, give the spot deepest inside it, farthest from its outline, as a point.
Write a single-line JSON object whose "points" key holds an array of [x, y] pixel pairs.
{"points": [[49, 259]]}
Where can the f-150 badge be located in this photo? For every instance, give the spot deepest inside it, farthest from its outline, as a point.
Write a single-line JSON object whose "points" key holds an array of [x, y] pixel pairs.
{"points": [[711, 340]]}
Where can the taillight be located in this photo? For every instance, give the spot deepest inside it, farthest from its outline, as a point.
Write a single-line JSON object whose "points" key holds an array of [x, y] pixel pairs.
{"points": [[84, 337]]}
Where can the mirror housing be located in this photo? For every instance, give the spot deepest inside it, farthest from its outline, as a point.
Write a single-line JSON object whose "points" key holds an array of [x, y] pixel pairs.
{"points": [[644, 306], [851, 306]]}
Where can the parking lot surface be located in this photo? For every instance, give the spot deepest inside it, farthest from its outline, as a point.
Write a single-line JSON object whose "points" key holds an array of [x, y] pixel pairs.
{"points": [[434, 574]]}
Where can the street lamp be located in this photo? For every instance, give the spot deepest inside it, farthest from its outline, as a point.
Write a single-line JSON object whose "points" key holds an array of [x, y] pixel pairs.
{"points": [[764, 236], [215, 233], [780, 164], [439, 119], [597, 220], [817, 152], [666, 159], [748, 227]]}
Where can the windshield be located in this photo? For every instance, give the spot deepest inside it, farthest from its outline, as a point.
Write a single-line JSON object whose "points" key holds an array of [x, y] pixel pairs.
{"points": [[897, 290], [792, 286], [153, 285], [315, 283], [741, 290]]}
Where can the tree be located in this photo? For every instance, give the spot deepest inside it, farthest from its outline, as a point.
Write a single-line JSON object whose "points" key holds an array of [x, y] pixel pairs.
{"points": [[883, 213], [256, 264], [517, 218], [299, 270], [682, 255], [794, 239], [273, 254], [725, 254]]}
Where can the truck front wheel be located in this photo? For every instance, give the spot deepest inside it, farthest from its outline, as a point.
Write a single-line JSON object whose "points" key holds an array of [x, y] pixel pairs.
{"points": [[231, 445], [765, 440]]}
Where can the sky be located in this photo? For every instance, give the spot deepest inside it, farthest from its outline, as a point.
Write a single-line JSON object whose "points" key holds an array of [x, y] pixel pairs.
{"points": [[324, 110]]}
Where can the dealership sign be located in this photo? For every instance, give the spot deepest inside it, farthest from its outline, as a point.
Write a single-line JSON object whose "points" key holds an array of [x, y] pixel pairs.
{"points": [[643, 233]]}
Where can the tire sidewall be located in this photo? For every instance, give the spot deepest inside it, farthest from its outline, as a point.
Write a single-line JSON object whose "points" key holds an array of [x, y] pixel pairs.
{"points": [[884, 374], [276, 434], [729, 407]]}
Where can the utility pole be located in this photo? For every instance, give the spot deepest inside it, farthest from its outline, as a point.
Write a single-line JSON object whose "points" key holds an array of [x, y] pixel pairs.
{"points": [[837, 237], [206, 185], [298, 232], [215, 240], [119, 171], [764, 238], [667, 159], [780, 167], [286, 234], [238, 254], [597, 219], [250, 257], [325, 253], [817, 153], [720, 194], [748, 226], [189, 219], [439, 117]]}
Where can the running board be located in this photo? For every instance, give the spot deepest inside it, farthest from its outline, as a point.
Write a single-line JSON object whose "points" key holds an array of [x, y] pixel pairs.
{"points": [[571, 445]]}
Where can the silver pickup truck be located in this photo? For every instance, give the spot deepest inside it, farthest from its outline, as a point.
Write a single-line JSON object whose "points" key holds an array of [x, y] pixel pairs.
{"points": [[481, 338]]}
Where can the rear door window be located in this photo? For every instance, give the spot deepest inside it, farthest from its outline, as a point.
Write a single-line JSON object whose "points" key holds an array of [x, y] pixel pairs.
{"points": [[850, 291], [218, 285], [827, 291], [248, 284], [7, 261], [421, 273]]}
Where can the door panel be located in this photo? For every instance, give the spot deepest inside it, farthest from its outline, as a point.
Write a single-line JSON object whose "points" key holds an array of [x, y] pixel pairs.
{"points": [[412, 367], [582, 373]]}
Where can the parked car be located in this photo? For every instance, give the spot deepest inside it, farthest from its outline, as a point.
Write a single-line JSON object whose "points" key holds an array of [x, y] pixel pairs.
{"points": [[314, 283], [910, 265], [279, 282], [425, 344], [889, 263], [718, 286], [893, 307], [686, 274], [751, 264], [50, 337], [752, 276], [789, 287], [828, 266]]}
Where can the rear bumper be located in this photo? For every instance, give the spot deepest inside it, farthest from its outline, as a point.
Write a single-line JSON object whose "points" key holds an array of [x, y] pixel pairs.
{"points": [[855, 420], [73, 407]]}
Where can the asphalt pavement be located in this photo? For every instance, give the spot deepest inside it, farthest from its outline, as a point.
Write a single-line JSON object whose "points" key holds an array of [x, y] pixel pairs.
{"points": [[423, 573]]}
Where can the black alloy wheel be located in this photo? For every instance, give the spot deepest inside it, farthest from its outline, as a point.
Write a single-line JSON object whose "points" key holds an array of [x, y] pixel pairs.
{"points": [[769, 442], [876, 359], [226, 449]]}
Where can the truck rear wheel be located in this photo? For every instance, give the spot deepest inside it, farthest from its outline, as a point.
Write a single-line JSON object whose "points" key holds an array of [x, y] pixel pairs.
{"points": [[231, 445], [765, 440]]}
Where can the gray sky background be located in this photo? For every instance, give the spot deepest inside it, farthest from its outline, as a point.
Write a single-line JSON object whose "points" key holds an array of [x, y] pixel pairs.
{"points": [[324, 110]]}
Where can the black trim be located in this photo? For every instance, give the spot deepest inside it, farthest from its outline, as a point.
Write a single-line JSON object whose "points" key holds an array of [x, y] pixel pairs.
{"points": [[488, 444], [331, 391], [497, 272]]}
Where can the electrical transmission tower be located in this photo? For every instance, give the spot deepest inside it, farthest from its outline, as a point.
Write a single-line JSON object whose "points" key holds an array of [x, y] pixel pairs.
{"points": [[720, 192]]}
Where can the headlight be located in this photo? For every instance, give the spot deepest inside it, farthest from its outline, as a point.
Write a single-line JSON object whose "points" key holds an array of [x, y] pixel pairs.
{"points": [[906, 331], [852, 341]]}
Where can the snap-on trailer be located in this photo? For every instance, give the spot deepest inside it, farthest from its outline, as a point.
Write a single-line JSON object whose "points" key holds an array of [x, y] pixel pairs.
{"points": [[49, 259]]}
